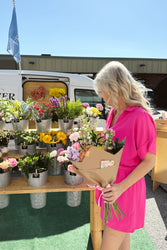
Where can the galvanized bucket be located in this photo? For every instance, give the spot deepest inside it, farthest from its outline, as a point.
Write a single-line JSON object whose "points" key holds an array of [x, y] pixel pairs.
{"points": [[20, 125], [38, 200], [72, 178], [73, 198], [4, 200], [2, 125], [54, 146], [56, 169], [65, 124], [5, 179], [43, 125], [30, 149]]}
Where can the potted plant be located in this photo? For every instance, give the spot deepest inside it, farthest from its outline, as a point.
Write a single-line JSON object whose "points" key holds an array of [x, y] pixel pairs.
{"points": [[5, 136], [54, 140], [42, 114], [4, 113], [21, 113], [35, 167], [91, 114], [66, 111], [6, 164], [26, 141]]}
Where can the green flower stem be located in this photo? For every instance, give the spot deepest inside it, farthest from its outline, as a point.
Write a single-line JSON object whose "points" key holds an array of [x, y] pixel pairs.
{"points": [[107, 211]]}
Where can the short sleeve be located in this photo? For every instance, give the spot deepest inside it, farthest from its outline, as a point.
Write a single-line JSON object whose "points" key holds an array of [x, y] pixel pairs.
{"points": [[145, 134]]}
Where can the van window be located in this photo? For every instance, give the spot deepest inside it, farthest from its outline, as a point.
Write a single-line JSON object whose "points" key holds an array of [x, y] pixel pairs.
{"points": [[90, 96]]}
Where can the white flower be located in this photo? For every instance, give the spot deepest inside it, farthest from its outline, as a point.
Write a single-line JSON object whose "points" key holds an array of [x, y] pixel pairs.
{"points": [[4, 150], [74, 136], [53, 153], [62, 158]]}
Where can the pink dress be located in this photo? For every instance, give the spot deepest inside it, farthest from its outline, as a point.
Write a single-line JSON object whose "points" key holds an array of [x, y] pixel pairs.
{"points": [[139, 129]]}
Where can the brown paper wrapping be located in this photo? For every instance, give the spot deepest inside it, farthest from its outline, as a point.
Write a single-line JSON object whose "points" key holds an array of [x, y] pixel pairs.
{"points": [[90, 167]]}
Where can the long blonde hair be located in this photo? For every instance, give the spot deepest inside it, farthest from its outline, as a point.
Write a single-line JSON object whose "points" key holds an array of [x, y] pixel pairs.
{"points": [[115, 79]]}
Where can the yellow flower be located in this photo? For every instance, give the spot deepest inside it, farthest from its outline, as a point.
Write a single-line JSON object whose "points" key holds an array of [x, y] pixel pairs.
{"points": [[4, 165], [52, 132], [47, 138], [41, 136], [96, 111], [61, 136], [58, 92]]}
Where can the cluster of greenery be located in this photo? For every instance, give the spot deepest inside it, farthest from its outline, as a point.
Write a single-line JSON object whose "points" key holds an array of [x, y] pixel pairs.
{"points": [[66, 109], [26, 137], [5, 136], [32, 163]]}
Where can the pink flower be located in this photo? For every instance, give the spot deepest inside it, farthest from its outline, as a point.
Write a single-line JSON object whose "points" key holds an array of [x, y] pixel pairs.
{"points": [[12, 162], [4, 150], [63, 152], [60, 150], [85, 104], [70, 167], [99, 106], [74, 136], [76, 145]]}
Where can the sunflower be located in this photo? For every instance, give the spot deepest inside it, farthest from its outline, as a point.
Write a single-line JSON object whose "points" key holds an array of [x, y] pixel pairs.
{"points": [[61, 136], [47, 138], [52, 133]]}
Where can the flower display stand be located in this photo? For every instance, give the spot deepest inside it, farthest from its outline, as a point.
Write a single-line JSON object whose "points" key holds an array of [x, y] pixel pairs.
{"points": [[19, 185], [159, 172]]}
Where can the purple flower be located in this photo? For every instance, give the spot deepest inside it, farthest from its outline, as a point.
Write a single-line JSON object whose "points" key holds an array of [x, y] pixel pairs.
{"points": [[55, 102], [72, 154], [85, 105]]}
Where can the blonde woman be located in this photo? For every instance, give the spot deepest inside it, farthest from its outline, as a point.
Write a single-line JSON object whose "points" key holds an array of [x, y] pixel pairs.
{"points": [[129, 117]]}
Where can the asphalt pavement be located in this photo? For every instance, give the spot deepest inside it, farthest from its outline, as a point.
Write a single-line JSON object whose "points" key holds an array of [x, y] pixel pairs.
{"points": [[156, 214]]}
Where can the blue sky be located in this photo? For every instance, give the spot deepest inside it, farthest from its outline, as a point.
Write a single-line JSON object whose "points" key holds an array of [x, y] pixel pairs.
{"points": [[88, 28]]}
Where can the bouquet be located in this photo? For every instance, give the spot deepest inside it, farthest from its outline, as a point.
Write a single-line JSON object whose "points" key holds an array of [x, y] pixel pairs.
{"points": [[6, 163], [97, 165]]}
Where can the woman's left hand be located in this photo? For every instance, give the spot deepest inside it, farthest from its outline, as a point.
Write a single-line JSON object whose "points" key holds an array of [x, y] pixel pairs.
{"points": [[112, 192]]}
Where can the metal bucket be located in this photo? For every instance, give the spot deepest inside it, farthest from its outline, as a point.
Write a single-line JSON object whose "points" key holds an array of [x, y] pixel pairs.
{"points": [[65, 124], [73, 198], [54, 146], [43, 125], [72, 178], [38, 200], [4, 200], [38, 180], [20, 125], [56, 169], [2, 125], [30, 149], [5, 179]]}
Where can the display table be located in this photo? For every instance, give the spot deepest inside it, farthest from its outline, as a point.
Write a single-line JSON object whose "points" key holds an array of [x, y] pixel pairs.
{"points": [[159, 172], [19, 185]]}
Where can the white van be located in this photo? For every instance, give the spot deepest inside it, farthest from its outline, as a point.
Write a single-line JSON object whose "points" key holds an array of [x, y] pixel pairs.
{"points": [[18, 85]]}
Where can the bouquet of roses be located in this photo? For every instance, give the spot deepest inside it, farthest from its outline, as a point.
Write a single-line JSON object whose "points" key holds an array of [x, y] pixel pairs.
{"points": [[98, 162]]}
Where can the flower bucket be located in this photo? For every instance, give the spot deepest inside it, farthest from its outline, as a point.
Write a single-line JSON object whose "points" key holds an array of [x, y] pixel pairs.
{"points": [[56, 169], [38, 200], [5, 179], [30, 149], [54, 146], [20, 125], [43, 125], [65, 124], [73, 198], [2, 125]]}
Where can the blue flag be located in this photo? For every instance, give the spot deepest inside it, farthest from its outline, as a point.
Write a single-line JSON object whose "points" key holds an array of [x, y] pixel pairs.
{"points": [[13, 38]]}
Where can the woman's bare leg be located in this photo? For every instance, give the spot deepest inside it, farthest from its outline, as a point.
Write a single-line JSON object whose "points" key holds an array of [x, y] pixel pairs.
{"points": [[112, 239], [125, 243]]}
